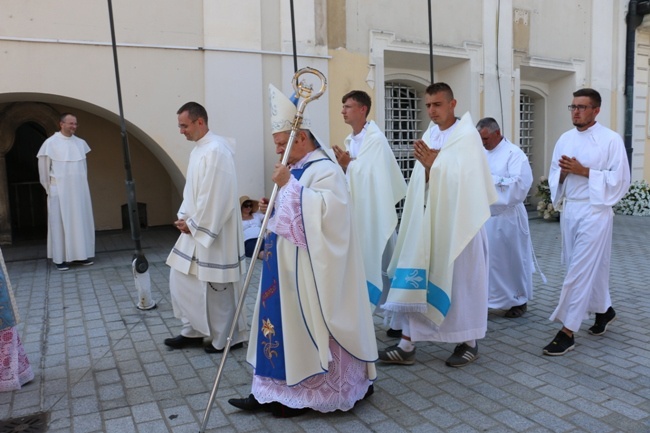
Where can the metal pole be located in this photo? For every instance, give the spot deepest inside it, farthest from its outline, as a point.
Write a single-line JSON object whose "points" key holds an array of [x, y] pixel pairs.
{"points": [[430, 42], [140, 264], [293, 38]]}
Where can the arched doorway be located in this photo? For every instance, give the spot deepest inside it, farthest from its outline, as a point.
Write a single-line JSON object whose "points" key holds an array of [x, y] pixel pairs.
{"points": [[27, 198], [23, 128], [21, 124]]}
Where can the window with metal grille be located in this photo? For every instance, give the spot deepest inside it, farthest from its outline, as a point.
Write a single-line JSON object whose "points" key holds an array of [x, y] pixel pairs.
{"points": [[402, 126], [526, 124]]}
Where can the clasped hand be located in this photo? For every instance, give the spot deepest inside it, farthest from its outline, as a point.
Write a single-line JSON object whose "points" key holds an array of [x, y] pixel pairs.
{"points": [[424, 154], [182, 226], [573, 166], [342, 157]]}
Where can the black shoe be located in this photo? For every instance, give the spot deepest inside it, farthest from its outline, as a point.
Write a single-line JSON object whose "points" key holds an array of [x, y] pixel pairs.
{"points": [[281, 411], [211, 349], [62, 266], [181, 342], [86, 262], [251, 404], [463, 355], [516, 311], [371, 391], [602, 322], [394, 333], [560, 345]]}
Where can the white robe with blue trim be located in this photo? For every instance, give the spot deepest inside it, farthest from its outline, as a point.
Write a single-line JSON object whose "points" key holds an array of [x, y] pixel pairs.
{"points": [[376, 185], [322, 287], [440, 265]]}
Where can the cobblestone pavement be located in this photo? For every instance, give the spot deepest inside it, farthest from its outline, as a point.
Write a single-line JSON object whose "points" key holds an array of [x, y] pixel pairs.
{"points": [[101, 366]]}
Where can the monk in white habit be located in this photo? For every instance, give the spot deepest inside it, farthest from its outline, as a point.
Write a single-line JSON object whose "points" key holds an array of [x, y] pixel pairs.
{"points": [[511, 250], [64, 175], [376, 185], [589, 174], [207, 261], [312, 343], [439, 290]]}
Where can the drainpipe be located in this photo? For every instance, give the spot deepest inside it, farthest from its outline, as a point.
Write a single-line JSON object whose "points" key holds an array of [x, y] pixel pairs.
{"points": [[636, 11]]}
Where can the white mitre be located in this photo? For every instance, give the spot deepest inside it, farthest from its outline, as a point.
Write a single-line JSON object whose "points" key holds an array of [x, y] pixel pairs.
{"points": [[283, 113]]}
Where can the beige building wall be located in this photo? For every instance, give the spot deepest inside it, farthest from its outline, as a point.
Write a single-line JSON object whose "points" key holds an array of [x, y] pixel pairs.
{"points": [[224, 54], [354, 67], [169, 53]]}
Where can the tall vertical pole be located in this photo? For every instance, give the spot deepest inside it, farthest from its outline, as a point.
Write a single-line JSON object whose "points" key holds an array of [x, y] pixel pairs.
{"points": [[140, 264], [430, 42], [293, 38]]}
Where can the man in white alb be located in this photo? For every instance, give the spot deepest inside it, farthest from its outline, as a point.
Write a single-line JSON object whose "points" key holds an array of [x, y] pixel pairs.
{"points": [[589, 174], [376, 185], [207, 260], [64, 175], [511, 254], [440, 266]]}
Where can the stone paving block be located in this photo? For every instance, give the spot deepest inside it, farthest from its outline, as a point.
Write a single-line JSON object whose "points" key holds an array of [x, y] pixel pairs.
{"points": [[354, 426], [521, 406], [139, 395], [86, 423], [622, 423], [593, 409], [553, 422], [626, 409], [462, 429], [590, 424], [119, 425], [116, 412], [152, 427], [155, 368], [178, 415], [592, 391], [134, 380], [79, 362], [60, 419], [162, 383], [423, 428], [622, 389], [84, 405], [554, 407], [477, 419], [555, 392], [84, 388], [482, 403], [514, 421], [111, 392], [440, 417]]}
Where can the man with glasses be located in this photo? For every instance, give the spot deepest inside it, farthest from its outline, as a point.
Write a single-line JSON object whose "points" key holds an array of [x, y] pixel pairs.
{"points": [[207, 260], [589, 174]]}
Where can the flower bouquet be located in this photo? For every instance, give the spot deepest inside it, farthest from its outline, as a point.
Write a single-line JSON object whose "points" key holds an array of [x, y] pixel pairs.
{"points": [[545, 205], [636, 201]]}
